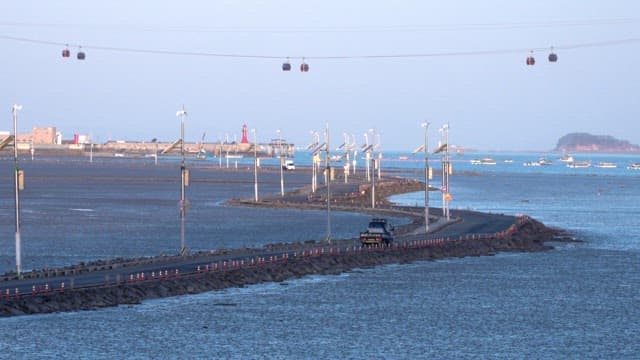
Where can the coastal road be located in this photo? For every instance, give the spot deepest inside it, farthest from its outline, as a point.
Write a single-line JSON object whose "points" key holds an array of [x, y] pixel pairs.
{"points": [[467, 222]]}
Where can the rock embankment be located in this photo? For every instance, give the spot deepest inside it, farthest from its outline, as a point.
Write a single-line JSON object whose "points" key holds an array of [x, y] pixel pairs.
{"points": [[526, 235]]}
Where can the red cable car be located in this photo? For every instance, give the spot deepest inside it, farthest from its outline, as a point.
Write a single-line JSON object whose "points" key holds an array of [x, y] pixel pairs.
{"points": [[304, 67], [66, 53], [531, 60]]}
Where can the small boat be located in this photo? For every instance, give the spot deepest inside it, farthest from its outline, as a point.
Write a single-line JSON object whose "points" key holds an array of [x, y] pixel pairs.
{"points": [[579, 165], [508, 161], [531, 163], [483, 161], [567, 158], [544, 162], [606, 165], [634, 166]]}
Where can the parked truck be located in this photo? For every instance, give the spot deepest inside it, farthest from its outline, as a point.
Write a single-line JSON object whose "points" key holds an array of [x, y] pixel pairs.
{"points": [[379, 232]]}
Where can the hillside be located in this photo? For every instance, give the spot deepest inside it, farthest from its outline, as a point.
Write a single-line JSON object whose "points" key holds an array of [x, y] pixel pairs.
{"points": [[583, 142]]}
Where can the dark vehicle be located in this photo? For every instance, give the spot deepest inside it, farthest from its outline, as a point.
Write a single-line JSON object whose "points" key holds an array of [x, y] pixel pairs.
{"points": [[378, 232]]}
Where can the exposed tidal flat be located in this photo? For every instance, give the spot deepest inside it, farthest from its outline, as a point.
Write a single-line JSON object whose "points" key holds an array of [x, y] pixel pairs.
{"points": [[570, 301]]}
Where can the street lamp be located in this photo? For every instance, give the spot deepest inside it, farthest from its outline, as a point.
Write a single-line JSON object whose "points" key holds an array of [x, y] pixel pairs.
{"points": [[367, 154], [328, 177], [281, 164], [155, 155], [373, 184], [255, 163], [425, 125], [445, 171], [17, 176], [184, 179], [315, 140]]}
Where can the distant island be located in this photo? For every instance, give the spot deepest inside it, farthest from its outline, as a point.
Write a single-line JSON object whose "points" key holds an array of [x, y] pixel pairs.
{"points": [[584, 142]]}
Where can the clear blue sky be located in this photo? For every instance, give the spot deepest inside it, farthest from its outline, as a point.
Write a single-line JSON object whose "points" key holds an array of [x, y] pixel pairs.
{"points": [[492, 101]]}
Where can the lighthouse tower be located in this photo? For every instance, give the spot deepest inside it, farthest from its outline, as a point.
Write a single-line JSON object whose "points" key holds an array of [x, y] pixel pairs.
{"points": [[245, 137]]}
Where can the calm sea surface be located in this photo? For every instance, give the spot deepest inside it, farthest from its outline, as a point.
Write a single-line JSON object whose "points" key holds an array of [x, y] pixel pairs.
{"points": [[581, 300]]}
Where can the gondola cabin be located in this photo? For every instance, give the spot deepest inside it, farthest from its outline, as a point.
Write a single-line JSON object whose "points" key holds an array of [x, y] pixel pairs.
{"points": [[531, 60]]}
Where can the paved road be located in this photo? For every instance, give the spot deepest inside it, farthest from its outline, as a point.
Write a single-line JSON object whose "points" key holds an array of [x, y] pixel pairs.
{"points": [[466, 222]]}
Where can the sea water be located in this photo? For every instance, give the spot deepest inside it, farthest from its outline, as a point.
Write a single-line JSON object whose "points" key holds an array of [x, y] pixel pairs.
{"points": [[581, 300]]}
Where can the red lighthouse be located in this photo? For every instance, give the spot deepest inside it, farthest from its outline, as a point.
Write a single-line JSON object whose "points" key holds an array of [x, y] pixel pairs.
{"points": [[245, 137]]}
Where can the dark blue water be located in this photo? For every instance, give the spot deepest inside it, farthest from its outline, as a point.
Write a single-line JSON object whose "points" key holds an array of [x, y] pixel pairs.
{"points": [[578, 301]]}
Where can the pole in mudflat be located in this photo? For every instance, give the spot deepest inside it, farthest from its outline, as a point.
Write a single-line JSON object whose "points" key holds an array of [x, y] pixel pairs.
{"points": [[17, 175]]}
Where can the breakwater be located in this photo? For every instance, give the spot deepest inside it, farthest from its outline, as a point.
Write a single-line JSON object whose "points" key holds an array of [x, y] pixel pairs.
{"points": [[285, 261]]}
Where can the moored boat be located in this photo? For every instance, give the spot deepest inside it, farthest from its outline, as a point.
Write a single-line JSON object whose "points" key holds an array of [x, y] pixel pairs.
{"points": [[634, 166], [606, 165], [483, 161], [567, 158], [579, 164], [531, 163]]}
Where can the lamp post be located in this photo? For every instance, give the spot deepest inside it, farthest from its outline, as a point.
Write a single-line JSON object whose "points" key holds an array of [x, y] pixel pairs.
{"points": [[281, 164], [184, 177], [255, 164], [445, 171], [367, 154], [17, 174], [155, 155], [220, 154], [328, 177], [425, 125], [315, 140], [373, 184], [379, 162], [448, 168]]}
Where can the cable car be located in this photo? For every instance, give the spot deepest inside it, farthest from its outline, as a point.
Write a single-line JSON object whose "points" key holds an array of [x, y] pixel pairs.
{"points": [[531, 60], [66, 53], [81, 55], [552, 56], [286, 66], [304, 67]]}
